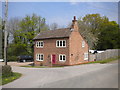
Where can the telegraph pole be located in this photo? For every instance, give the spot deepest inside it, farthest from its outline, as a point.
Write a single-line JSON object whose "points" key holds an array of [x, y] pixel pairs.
{"points": [[5, 31]]}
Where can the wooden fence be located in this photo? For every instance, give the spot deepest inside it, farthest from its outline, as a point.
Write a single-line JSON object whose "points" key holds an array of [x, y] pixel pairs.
{"points": [[104, 55]]}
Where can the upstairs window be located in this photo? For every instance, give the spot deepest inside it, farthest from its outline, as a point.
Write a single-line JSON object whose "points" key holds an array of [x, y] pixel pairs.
{"points": [[61, 43], [83, 43], [39, 44], [39, 57], [62, 57]]}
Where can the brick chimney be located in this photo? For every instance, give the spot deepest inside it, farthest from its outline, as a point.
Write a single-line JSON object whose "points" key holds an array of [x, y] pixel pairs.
{"points": [[74, 26]]}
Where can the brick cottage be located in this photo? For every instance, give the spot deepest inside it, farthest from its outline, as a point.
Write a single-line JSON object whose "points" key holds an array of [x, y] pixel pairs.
{"points": [[60, 47]]}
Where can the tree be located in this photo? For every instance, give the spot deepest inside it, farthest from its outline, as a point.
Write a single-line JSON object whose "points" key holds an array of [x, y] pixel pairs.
{"points": [[109, 36], [12, 27], [53, 26], [92, 26], [29, 27]]}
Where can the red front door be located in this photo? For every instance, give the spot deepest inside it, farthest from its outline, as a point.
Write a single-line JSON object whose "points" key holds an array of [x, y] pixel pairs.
{"points": [[53, 59]]}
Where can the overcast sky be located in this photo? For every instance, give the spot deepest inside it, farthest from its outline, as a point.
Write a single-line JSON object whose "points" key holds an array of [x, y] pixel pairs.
{"points": [[62, 12]]}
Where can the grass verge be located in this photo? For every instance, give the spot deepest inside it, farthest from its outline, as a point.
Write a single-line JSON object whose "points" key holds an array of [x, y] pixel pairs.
{"points": [[42, 66], [106, 60], [9, 79], [101, 62]]}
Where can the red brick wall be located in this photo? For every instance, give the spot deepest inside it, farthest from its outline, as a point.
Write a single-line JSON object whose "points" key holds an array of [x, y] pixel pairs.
{"points": [[49, 49], [76, 51]]}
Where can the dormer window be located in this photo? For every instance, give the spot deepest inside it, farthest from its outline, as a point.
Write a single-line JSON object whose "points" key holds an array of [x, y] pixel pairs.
{"points": [[39, 44], [61, 43]]}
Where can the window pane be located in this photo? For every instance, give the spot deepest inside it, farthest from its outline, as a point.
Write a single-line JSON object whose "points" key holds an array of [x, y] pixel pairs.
{"points": [[41, 44], [60, 57], [63, 43], [60, 43], [41, 57], [37, 56], [83, 44], [63, 57], [57, 43], [37, 44]]}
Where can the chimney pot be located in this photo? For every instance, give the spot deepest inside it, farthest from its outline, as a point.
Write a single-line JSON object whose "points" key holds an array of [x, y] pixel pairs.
{"points": [[74, 17]]}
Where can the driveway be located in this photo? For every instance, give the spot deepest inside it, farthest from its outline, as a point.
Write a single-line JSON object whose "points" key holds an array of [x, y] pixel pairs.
{"points": [[80, 76]]}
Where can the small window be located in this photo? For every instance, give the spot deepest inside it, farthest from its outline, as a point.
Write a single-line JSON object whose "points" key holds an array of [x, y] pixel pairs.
{"points": [[62, 57], [39, 57], [39, 44], [61, 43], [83, 43], [85, 56]]}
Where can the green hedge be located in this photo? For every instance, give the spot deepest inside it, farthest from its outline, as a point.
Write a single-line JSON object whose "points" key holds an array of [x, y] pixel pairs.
{"points": [[12, 58], [6, 71]]}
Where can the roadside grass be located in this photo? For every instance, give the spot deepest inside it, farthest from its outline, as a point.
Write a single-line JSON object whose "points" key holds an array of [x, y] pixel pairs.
{"points": [[35, 66], [105, 61], [101, 62], [9, 79], [42, 66]]}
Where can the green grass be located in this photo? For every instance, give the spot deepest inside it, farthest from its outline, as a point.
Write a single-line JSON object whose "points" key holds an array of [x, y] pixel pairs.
{"points": [[42, 66], [106, 60], [35, 66], [101, 62], [9, 79]]}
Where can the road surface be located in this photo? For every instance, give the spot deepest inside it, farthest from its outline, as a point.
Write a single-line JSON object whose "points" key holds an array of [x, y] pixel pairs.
{"points": [[79, 76]]}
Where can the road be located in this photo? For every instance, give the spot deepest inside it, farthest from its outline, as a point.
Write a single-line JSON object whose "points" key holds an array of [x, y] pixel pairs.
{"points": [[80, 76]]}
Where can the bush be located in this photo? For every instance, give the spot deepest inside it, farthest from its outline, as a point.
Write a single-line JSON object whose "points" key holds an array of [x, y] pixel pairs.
{"points": [[6, 71], [12, 58]]}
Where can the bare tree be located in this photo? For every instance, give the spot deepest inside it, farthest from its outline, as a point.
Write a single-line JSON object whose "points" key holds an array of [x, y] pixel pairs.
{"points": [[12, 26], [53, 26]]}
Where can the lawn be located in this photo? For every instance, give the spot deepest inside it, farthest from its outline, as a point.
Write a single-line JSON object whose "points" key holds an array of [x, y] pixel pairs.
{"points": [[106, 60], [42, 66], [9, 79], [101, 62]]}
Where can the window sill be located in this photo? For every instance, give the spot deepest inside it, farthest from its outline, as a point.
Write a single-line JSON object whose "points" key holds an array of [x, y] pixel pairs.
{"points": [[39, 60]]}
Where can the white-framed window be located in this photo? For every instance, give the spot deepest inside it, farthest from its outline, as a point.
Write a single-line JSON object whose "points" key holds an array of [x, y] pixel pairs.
{"points": [[61, 43], [39, 57], [83, 43], [85, 56], [62, 57], [39, 44]]}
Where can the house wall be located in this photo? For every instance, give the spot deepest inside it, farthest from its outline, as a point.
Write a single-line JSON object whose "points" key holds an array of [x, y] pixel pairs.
{"points": [[76, 50], [49, 49]]}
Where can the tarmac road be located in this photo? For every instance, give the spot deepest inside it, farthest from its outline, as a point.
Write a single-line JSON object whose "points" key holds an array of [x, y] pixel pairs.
{"points": [[79, 76]]}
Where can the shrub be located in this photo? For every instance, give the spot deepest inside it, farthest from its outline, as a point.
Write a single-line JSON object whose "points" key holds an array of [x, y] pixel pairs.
{"points": [[6, 71], [12, 58]]}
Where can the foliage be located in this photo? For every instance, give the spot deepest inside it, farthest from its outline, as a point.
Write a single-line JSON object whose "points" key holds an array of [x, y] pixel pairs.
{"points": [[23, 33], [99, 31], [109, 36], [6, 80], [6, 71], [12, 58]]}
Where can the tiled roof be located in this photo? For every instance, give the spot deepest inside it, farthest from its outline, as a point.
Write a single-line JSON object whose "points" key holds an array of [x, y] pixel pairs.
{"points": [[59, 33]]}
